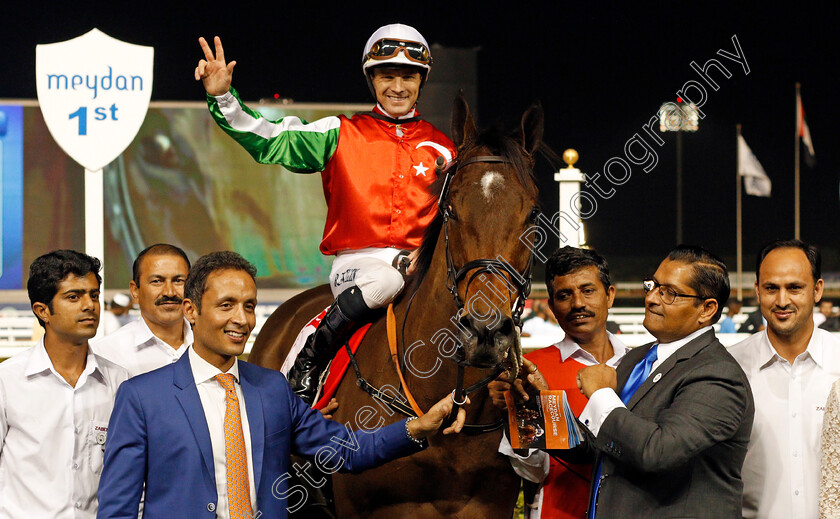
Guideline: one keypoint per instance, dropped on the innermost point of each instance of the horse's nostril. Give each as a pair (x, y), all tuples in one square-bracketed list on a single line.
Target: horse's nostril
[(506, 327)]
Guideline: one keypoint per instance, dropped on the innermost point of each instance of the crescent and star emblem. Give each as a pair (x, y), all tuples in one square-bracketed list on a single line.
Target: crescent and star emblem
[(421, 169)]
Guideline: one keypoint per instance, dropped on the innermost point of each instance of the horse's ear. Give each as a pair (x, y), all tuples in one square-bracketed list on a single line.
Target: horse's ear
[(463, 126), (532, 127)]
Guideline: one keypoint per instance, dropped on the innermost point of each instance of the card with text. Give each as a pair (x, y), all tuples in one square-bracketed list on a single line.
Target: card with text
[(544, 421)]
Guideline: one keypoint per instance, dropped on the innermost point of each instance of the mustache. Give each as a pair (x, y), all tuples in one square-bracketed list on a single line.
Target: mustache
[(162, 300), (788, 308), (584, 312)]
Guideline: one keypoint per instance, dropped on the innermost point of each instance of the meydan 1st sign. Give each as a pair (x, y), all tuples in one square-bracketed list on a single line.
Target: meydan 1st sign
[(94, 92)]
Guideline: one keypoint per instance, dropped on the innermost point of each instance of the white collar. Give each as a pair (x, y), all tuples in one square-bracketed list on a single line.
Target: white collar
[(569, 348), (767, 354), (146, 337), (40, 361), (665, 350), (675, 345), (411, 113), (204, 371)]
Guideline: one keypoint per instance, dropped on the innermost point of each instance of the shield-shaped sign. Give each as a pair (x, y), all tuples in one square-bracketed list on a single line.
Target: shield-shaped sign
[(94, 92)]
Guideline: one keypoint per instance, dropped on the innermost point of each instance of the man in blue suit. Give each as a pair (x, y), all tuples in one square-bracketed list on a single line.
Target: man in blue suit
[(211, 436)]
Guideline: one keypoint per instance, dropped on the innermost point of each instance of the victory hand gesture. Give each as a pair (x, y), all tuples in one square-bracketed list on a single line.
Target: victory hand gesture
[(213, 71)]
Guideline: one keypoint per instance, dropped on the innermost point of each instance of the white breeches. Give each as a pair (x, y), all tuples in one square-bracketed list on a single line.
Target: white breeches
[(369, 269)]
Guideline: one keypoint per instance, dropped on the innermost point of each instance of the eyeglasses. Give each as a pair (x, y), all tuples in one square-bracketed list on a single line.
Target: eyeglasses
[(668, 294), (386, 48)]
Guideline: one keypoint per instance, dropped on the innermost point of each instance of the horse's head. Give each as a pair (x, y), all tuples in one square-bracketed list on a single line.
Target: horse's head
[(488, 202)]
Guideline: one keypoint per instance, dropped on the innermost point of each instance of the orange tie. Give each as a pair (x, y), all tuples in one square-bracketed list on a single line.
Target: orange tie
[(239, 490)]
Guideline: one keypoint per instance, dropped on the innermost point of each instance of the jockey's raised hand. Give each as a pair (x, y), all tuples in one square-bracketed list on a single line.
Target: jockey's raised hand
[(212, 70)]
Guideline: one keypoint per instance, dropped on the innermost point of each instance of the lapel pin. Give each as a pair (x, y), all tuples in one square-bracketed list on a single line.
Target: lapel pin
[(657, 377)]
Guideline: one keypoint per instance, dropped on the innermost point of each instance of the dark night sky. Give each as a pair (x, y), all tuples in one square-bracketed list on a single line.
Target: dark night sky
[(600, 72)]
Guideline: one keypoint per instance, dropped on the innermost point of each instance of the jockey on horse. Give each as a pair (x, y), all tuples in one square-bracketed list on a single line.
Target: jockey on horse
[(375, 167)]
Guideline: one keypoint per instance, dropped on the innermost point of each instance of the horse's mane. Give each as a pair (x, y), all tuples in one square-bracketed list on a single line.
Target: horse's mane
[(498, 142)]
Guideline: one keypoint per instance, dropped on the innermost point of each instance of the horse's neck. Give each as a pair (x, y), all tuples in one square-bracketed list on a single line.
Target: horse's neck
[(432, 305)]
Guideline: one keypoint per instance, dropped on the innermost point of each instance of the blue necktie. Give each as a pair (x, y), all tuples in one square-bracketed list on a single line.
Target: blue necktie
[(640, 373), (637, 377)]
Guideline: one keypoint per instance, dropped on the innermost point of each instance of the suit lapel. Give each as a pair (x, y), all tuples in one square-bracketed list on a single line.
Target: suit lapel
[(256, 421), (191, 404), (685, 352)]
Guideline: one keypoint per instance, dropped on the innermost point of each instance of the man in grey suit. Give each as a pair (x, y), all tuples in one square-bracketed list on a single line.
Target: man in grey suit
[(670, 428)]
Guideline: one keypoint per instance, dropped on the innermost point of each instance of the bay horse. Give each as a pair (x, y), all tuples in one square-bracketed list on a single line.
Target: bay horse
[(472, 277)]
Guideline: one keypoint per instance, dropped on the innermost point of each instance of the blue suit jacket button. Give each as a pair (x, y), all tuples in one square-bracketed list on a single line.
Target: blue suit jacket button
[(211, 507)]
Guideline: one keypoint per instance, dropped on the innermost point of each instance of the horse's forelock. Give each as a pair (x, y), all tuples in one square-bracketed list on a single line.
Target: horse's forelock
[(499, 143)]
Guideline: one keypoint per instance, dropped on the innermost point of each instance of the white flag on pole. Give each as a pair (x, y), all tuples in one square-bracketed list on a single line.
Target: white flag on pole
[(756, 181)]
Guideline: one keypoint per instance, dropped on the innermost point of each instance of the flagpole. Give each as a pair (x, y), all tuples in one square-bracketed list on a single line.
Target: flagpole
[(738, 228), (796, 165)]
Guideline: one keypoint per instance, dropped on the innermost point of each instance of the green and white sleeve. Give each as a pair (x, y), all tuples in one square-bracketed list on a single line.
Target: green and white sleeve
[(299, 146)]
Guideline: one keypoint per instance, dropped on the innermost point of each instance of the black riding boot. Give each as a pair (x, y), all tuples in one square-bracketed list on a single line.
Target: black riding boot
[(343, 318)]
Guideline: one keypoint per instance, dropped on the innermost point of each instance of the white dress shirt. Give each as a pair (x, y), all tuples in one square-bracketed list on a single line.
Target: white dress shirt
[(605, 400), (137, 349), (212, 396), (535, 466), (539, 327), (52, 435), (782, 469)]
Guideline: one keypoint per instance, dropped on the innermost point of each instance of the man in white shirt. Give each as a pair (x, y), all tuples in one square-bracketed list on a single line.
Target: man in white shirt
[(580, 295), (56, 398), (791, 365), (670, 427), (161, 335), (210, 436)]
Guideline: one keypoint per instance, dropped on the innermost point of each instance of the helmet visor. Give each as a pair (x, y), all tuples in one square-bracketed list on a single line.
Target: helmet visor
[(388, 48)]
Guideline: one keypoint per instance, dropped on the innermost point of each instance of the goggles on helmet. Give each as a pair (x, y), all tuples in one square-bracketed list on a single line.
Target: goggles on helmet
[(387, 48)]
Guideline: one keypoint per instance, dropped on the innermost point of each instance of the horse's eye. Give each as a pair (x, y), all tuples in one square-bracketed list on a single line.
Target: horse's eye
[(451, 211), (532, 216)]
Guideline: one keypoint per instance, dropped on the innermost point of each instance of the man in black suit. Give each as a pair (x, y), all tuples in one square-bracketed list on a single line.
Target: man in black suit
[(670, 428)]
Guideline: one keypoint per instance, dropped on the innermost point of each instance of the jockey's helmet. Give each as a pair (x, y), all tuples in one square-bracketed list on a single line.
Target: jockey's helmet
[(396, 45)]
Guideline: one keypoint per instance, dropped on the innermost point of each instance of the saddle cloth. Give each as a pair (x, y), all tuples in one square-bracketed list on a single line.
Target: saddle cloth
[(337, 367)]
